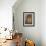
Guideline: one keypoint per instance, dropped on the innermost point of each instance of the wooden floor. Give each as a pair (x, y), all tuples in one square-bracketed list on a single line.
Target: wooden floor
[(9, 43)]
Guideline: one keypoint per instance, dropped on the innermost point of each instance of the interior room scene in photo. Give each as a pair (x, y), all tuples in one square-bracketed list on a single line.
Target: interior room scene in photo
[(22, 22)]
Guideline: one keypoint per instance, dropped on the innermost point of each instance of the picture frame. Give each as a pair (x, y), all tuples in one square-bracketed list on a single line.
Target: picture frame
[(28, 19)]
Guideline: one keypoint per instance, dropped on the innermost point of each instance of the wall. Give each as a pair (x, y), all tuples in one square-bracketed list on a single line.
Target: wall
[(43, 22), (33, 33), (6, 13)]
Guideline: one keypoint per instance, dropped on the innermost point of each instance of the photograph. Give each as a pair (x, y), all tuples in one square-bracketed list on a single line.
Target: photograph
[(22, 22), (28, 19)]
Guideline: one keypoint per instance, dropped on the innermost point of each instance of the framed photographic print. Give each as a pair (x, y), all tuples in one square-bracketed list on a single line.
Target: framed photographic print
[(28, 19)]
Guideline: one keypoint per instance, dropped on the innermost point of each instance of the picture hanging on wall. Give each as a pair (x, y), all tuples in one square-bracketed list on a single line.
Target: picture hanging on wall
[(28, 19)]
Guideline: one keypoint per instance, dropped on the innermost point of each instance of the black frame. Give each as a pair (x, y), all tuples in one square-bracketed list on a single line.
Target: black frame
[(33, 24)]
